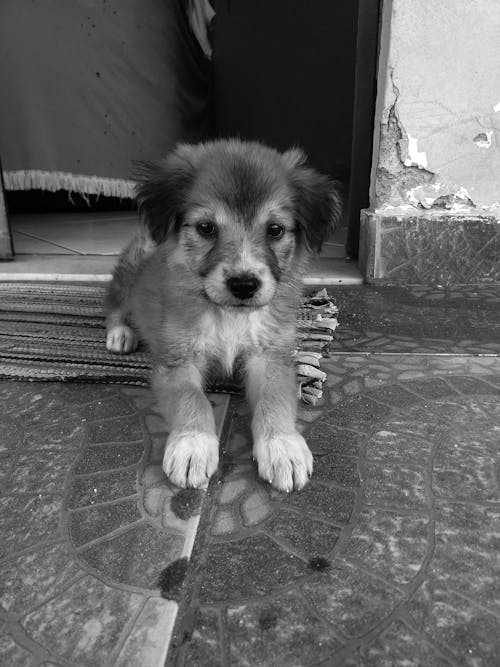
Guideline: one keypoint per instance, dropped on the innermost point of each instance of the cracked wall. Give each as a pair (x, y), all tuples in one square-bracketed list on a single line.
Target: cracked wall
[(437, 143)]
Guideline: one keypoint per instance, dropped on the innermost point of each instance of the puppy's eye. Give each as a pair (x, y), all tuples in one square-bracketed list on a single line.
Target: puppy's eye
[(275, 231), (206, 229)]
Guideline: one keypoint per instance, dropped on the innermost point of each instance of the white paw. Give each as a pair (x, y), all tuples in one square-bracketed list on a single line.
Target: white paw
[(121, 339), (284, 460), (191, 459)]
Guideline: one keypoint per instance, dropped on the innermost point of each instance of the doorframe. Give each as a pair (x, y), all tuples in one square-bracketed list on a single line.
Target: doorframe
[(365, 91), (6, 244)]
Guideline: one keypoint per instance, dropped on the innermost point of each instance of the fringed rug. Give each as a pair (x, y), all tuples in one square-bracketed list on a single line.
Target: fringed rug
[(53, 331)]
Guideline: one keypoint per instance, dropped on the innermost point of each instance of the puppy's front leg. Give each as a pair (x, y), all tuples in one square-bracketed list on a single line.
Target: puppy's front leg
[(120, 337), (282, 454), (192, 450)]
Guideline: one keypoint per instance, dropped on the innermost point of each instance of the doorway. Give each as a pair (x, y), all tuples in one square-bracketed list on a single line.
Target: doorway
[(285, 73), (291, 73)]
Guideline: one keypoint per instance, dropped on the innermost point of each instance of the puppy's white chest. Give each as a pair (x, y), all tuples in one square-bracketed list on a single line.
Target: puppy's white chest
[(224, 336)]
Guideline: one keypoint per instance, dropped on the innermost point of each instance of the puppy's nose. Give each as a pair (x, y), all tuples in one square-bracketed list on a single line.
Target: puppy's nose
[(244, 286)]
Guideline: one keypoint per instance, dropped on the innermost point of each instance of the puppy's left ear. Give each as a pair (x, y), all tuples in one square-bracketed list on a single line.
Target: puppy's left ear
[(317, 200)]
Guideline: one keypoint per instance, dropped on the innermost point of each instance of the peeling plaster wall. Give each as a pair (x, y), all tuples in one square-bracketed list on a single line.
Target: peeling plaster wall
[(437, 132)]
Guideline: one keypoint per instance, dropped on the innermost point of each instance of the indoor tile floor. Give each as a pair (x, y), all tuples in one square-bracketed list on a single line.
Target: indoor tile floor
[(388, 557), (72, 233), (84, 246), (95, 234)]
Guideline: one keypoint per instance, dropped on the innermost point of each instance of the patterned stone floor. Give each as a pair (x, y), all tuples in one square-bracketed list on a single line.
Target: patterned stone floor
[(388, 557), (92, 535)]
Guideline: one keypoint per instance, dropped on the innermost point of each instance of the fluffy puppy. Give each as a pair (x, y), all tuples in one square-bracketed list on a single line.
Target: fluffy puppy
[(212, 283)]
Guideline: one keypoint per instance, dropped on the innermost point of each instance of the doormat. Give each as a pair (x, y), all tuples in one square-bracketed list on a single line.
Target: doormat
[(56, 332)]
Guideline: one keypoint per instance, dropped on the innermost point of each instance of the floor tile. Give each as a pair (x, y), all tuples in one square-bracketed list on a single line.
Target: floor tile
[(335, 244), (278, 627), (83, 625), (33, 245), (72, 233), (145, 644), (387, 319)]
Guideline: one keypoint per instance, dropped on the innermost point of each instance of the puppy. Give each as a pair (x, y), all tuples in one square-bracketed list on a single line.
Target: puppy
[(212, 283)]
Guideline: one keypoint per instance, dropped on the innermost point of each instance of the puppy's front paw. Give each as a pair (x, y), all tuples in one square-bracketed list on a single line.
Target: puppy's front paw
[(191, 459), (284, 460), (121, 339)]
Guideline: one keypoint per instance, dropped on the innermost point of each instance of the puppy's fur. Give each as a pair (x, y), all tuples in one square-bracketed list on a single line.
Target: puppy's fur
[(212, 283)]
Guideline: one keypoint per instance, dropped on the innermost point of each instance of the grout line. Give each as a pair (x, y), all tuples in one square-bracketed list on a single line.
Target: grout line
[(110, 535), (119, 500)]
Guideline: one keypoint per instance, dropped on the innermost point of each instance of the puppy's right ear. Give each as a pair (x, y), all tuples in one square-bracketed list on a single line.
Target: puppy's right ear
[(162, 188), (318, 207)]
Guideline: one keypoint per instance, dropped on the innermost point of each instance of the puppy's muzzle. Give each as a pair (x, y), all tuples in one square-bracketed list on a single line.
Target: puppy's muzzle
[(243, 286)]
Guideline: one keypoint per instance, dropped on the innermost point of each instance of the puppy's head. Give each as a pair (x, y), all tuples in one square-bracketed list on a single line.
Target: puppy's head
[(242, 216)]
